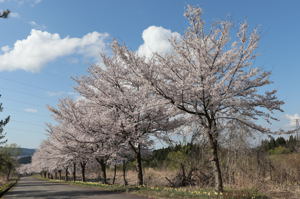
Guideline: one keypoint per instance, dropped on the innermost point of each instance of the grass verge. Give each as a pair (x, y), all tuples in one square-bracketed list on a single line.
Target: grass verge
[(168, 192), (5, 187)]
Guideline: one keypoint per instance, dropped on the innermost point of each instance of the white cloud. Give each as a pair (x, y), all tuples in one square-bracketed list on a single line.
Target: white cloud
[(21, 2), (37, 26), (30, 110), (59, 93), (292, 119), (156, 40), (5, 48), (36, 2), (14, 15), (73, 60), (42, 47)]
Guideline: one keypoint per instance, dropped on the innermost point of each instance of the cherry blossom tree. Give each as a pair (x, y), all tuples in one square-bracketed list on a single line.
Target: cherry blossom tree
[(64, 138), (135, 113), (92, 130), (211, 78), (48, 159)]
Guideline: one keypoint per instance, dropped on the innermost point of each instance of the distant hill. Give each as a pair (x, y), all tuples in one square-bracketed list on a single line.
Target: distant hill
[(25, 155), (25, 160), (26, 152)]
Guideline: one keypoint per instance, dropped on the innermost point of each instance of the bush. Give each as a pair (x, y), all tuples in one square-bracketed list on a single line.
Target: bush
[(279, 150)]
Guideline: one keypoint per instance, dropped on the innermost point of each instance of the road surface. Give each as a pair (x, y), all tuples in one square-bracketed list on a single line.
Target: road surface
[(29, 187)]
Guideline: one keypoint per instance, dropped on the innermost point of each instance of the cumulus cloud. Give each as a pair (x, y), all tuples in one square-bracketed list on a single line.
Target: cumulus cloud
[(292, 119), (5, 48), (42, 47), (156, 40), (30, 110)]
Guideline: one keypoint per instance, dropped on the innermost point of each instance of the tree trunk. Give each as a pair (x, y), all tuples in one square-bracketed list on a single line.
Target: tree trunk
[(8, 174), (115, 173), (103, 169), (212, 135), (55, 175), (139, 166), (102, 163), (74, 171), (83, 164), (67, 174), (124, 173), (59, 173)]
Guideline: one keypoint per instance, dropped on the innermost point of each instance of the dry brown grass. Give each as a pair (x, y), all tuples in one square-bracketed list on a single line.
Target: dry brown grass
[(280, 180), (152, 177), (276, 175)]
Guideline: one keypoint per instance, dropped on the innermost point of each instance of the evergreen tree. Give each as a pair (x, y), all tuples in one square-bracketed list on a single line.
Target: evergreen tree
[(280, 141), (272, 142), (2, 124), (4, 14)]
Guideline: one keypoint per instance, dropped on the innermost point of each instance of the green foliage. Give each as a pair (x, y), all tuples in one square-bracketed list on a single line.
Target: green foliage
[(279, 150), (2, 124), (8, 159), (25, 160), (171, 156), (6, 186), (11, 150), (280, 145), (175, 158), (4, 14)]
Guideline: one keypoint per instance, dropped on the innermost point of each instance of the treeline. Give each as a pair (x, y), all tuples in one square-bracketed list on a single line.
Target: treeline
[(167, 156), (281, 145), (274, 161)]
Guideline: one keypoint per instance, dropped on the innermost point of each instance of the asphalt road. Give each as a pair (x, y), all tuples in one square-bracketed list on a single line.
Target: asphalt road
[(29, 187)]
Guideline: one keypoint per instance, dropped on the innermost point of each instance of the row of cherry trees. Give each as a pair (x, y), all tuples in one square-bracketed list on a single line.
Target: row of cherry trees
[(208, 80)]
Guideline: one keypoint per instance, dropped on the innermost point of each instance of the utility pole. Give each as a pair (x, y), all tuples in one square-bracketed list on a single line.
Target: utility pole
[(297, 130)]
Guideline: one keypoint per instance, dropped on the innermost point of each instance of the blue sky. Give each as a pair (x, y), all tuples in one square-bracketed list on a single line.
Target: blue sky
[(45, 42)]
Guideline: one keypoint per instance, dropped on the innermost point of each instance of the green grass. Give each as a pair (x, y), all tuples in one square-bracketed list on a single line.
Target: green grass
[(5, 186), (168, 192)]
